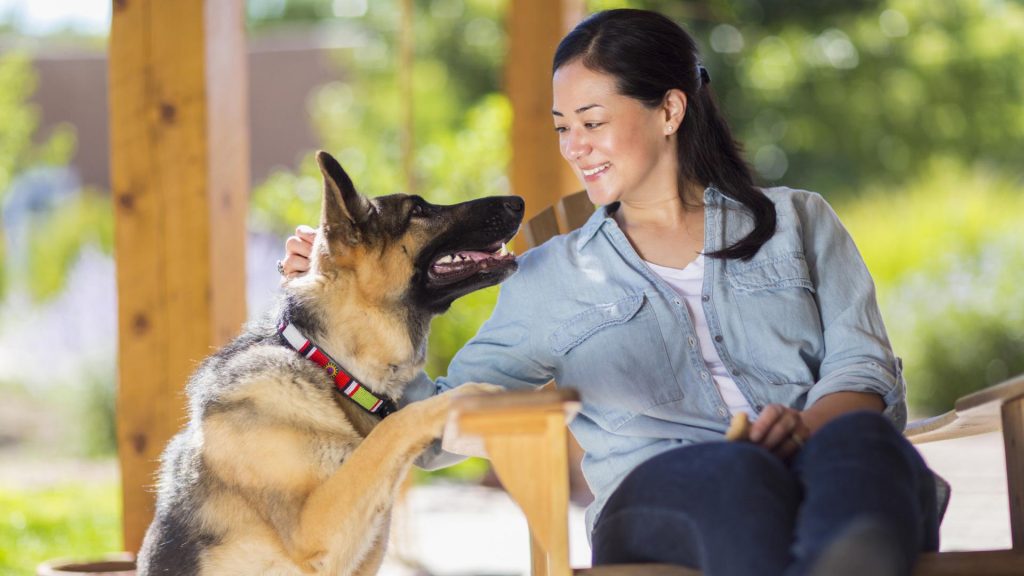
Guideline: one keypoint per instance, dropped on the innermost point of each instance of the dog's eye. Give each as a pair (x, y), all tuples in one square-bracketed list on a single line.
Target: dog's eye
[(417, 210)]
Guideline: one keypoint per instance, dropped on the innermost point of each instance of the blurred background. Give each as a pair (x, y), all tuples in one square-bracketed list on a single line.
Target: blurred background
[(907, 116)]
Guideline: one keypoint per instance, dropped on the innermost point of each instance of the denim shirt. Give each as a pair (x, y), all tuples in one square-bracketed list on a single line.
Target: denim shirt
[(796, 322)]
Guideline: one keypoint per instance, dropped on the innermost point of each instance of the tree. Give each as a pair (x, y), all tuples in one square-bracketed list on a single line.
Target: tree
[(835, 96)]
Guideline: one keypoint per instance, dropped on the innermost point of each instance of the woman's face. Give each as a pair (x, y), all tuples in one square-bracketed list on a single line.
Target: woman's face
[(620, 149)]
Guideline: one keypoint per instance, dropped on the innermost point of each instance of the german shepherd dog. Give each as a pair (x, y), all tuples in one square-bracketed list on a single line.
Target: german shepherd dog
[(279, 469)]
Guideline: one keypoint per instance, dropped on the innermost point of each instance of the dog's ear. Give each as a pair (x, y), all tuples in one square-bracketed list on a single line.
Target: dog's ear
[(344, 211)]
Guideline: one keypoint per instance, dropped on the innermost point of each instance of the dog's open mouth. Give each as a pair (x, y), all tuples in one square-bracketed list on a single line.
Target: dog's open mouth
[(462, 264)]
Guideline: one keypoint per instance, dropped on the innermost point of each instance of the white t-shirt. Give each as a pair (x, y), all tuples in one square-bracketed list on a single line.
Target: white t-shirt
[(688, 282)]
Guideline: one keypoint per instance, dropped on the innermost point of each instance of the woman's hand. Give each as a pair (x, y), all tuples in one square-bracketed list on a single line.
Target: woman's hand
[(780, 430), (297, 249)]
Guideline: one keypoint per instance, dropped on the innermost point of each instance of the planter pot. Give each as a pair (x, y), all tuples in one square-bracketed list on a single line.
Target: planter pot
[(110, 565)]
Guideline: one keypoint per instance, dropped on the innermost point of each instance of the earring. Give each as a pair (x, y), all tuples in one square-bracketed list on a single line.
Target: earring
[(669, 128)]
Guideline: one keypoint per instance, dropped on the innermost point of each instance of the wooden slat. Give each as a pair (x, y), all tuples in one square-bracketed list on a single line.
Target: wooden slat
[(540, 228), (973, 563), (976, 413), (575, 210), (993, 395), (179, 173), (1013, 444)]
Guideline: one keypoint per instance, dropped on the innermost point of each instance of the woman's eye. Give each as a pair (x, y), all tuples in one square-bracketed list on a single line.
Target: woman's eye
[(592, 125), (560, 129)]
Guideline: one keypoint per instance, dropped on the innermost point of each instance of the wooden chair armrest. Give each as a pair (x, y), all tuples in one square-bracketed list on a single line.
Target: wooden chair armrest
[(476, 417), (518, 401), (975, 413)]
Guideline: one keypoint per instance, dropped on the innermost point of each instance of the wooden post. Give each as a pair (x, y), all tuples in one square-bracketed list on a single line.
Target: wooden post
[(537, 173), (179, 173), (1013, 444)]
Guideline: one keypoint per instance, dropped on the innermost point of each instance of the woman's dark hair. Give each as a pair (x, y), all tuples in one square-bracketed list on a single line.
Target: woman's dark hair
[(648, 55)]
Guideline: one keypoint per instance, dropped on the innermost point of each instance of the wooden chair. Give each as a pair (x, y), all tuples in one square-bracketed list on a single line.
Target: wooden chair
[(524, 435)]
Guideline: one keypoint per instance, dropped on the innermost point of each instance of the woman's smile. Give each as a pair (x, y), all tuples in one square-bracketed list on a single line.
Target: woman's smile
[(591, 174)]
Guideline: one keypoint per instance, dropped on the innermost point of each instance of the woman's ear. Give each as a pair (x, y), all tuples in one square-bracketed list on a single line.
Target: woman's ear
[(674, 108)]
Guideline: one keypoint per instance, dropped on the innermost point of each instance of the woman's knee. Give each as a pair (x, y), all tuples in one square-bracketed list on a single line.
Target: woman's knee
[(857, 429), (864, 437)]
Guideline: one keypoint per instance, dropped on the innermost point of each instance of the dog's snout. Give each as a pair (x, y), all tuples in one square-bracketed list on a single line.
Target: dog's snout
[(515, 205)]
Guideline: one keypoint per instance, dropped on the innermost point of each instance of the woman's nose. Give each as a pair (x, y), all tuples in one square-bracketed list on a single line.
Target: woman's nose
[(575, 147)]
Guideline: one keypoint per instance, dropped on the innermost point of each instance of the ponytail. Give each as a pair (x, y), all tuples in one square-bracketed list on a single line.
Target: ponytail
[(710, 155)]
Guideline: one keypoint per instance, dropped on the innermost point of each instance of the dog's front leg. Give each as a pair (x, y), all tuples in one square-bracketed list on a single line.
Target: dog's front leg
[(364, 485)]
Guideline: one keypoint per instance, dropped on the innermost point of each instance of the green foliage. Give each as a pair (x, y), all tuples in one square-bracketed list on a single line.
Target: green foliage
[(950, 210), (56, 240), (96, 412), (21, 120), (451, 330), (470, 470), (962, 327), (948, 263), (833, 98), (18, 153), (57, 522)]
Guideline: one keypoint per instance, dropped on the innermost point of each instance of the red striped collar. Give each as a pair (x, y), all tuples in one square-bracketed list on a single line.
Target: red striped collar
[(343, 381)]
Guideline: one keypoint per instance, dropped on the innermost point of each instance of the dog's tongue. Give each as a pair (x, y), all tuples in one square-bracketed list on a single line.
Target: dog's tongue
[(477, 256)]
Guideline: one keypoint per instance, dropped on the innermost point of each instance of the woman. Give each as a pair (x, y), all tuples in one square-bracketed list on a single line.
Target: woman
[(690, 296)]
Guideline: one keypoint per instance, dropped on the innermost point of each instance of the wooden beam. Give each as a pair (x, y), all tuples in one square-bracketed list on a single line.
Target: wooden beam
[(537, 173), (179, 174)]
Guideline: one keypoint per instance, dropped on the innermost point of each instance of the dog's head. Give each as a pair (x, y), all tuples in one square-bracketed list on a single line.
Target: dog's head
[(403, 248)]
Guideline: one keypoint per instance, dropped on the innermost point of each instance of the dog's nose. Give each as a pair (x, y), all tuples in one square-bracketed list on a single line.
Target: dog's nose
[(515, 205)]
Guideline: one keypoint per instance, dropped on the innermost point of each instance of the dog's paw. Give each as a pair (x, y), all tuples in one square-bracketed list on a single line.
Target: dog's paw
[(476, 388)]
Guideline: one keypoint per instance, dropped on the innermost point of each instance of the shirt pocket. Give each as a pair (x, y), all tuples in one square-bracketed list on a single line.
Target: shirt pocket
[(777, 307), (587, 323), (789, 271), (615, 355)]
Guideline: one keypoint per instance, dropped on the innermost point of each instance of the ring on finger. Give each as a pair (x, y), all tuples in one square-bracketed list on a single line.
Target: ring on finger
[(280, 267), (797, 439)]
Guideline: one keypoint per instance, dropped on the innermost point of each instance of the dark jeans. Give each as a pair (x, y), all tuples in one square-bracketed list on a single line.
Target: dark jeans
[(734, 508)]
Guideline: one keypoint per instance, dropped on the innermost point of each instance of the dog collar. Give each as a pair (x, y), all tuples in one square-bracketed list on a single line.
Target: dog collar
[(343, 381)]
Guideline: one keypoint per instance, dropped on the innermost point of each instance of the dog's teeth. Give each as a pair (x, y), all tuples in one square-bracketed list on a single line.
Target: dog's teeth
[(503, 251), (446, 260)]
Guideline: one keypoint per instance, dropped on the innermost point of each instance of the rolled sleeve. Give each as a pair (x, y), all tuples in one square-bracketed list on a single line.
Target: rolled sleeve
[(858, 354)]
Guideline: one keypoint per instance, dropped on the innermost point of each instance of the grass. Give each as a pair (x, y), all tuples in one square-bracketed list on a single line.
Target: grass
[(70, 520)]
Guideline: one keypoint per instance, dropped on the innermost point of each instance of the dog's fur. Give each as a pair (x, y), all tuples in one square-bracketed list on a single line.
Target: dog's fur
[(276, 472)]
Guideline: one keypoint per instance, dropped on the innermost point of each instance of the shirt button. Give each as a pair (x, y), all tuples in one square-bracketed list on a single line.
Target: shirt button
[(677, 302), (722, 412), (718, 338), (705, 297), (735, 372), (704, 375)]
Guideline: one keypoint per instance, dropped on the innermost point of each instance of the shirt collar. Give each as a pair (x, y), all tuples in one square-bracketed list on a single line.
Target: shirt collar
[(712, 197)]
